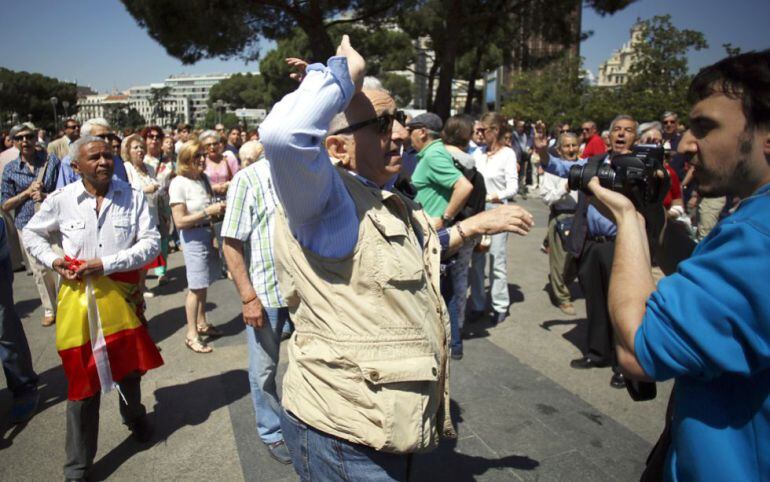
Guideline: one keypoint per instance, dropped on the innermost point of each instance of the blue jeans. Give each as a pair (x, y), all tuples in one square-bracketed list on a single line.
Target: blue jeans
[(14, 349), (319, 456), (264, 349)]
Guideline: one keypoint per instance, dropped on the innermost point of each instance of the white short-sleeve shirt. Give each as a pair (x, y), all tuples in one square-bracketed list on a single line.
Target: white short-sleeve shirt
[(191, 193)]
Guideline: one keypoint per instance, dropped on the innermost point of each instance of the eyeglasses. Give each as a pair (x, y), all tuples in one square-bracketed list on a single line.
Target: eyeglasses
[(154, 136), (72, 127), (668, 122), (24, 137), (209, 145), (586, 129), (384, 123), (480, 130)]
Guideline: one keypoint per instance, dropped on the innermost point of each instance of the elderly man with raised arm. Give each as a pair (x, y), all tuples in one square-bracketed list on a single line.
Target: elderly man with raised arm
[(366, 383)]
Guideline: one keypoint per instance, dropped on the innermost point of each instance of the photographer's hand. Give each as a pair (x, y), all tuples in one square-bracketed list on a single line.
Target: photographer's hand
[(610, 202)]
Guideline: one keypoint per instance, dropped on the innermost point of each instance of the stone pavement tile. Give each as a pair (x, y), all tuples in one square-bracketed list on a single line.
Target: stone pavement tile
[(570, 467), (468, 459), (540, 419)]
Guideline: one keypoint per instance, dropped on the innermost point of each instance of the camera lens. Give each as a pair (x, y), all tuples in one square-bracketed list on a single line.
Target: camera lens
[(574, 177)]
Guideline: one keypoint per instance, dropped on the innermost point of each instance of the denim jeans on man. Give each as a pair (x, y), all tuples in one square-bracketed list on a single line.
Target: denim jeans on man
[(319, 456), (264, 349), (14, 349)]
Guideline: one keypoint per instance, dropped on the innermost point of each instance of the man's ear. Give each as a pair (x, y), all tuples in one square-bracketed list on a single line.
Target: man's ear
[(337, 147), (74, 166)]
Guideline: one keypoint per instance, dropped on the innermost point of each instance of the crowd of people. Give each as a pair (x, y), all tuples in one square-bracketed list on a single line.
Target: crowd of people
[(370, 234)]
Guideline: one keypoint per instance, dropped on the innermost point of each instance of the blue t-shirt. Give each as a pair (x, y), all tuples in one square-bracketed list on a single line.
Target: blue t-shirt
[(708, 326)]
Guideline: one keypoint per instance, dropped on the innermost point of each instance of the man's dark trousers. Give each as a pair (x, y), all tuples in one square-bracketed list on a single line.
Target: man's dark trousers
[(83, 425), (594, 276)]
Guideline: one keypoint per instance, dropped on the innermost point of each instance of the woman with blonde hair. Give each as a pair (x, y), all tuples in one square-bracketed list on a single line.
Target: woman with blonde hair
[(498, 164), (141, 176), (193, 209)]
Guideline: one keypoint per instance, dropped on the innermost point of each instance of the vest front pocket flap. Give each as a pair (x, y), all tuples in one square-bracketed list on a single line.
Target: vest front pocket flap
[(413, 369), (389, 226)]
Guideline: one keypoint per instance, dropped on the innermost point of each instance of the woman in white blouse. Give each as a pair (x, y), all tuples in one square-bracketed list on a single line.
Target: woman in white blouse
[(193, 209), (497, 163), (141, 176)]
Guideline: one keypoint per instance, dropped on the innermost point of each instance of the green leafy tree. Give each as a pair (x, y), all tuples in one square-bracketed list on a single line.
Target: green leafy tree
[(29, 94), (233, 28), (552, 94), (241, 90), (228, 119), (659, 76), (127, 117), (158, 98), (385, 51), (399, 86), (464, 31)]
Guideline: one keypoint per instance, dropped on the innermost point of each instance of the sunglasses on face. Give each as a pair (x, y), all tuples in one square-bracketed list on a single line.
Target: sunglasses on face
[(154, 137), (72, 127), (384, 123), (24, 137), (668, 122)]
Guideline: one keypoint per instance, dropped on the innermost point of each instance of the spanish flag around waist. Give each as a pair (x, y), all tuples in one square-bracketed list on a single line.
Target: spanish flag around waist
[(99, 335)]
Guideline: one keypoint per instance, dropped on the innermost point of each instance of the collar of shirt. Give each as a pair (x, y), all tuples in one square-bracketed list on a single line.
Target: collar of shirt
[(433, 145)]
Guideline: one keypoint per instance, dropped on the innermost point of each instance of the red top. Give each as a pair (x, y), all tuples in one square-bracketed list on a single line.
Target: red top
[(594, 147), (675, 191)]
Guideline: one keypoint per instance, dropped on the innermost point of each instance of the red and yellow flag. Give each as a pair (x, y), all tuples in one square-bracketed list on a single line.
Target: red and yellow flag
[(129, 347)]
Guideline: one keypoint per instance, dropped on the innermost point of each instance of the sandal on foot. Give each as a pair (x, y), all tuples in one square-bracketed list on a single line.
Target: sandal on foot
[(210, 331), (197, 345)]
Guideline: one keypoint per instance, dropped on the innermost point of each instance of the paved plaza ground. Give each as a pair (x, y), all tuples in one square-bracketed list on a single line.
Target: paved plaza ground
[(522, 413)]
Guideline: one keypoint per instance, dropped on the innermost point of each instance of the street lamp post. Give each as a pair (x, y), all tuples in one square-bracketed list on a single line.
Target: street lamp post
[(54, 101), (66, 105)]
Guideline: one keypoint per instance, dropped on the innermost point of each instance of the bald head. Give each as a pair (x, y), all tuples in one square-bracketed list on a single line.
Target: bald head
[(364, 105)]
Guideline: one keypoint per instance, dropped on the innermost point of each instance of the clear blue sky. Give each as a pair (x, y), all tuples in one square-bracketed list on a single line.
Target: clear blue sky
[(97, 43)]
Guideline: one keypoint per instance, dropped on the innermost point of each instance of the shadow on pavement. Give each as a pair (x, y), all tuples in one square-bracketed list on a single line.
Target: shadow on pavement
[(446, 463), (577, 335), (515, 294), (25, 307), (52, 387), (177, 407)]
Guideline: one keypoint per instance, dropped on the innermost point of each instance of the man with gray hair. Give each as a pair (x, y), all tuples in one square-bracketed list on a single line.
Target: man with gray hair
[(592, 243), (107, 238), (96, 127), (442, 190)]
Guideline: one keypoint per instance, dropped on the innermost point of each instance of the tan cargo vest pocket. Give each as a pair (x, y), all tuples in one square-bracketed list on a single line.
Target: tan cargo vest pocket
[(401, 389), (395, 272)]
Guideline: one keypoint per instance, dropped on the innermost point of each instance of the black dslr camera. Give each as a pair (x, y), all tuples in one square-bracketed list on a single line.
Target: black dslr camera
[(633, 175)]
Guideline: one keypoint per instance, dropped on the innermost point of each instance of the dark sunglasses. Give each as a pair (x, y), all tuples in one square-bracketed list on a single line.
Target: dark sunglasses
[(72, 126), (24, 137), (667, 122), (384, 123), (154, 136)]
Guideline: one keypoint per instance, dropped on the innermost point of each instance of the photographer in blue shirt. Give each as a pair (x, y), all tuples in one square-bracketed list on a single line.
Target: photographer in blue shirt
[(708, 324)]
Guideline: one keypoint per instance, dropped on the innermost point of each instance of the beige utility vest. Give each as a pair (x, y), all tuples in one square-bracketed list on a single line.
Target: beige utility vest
[(368, 361)]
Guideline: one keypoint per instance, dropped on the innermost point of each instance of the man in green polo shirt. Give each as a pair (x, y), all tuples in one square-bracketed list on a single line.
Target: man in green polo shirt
[(441, 188), (443, 191)]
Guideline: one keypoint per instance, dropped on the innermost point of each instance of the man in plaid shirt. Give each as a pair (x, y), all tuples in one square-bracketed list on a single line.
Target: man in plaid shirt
[(248, 227)]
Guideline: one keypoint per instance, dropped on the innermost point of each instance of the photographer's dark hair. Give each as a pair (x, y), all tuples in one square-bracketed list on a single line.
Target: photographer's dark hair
[(745, 77), (458, 131)]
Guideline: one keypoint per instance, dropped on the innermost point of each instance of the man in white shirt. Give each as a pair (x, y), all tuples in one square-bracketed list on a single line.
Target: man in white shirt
[(107, 237)]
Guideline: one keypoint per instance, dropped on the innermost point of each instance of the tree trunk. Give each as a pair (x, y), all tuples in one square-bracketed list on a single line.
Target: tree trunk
[(313, 25), (443, 104)]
